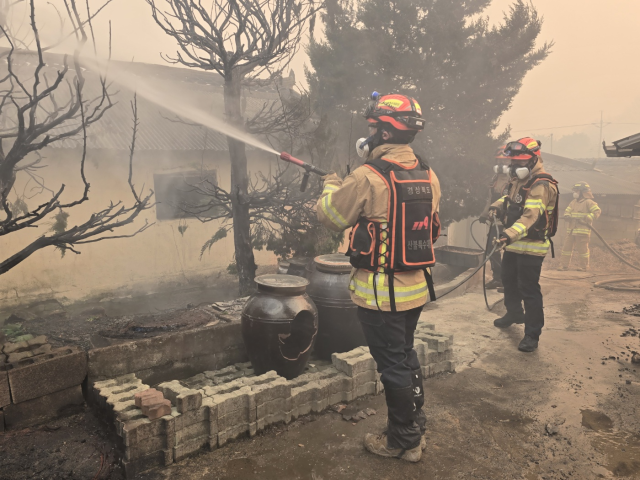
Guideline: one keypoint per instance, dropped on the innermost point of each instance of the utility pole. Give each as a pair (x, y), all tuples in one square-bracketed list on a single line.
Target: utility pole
[(601, 125), (600, 141), (551, 144)]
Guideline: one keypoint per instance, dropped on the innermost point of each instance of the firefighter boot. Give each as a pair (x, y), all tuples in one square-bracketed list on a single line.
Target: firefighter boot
[(508, 319), (402, 439), (528, 344), (490, 285), (418, 400)]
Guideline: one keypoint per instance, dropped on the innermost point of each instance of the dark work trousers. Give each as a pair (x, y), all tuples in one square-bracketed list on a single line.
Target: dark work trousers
[(521, 281), (496, 258), (390, 339)]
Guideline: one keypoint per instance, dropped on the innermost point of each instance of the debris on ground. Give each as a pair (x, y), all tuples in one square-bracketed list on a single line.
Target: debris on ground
[(551, 429), (370, 411), (355, 418), (338, 408), (635, 311), (635, 358)]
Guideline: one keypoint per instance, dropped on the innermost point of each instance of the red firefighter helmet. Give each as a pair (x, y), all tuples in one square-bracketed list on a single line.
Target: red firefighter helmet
[(524, 149), (402, 112)]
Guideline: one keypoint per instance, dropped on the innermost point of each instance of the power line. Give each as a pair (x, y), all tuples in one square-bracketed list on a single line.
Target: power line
[(569, 126)]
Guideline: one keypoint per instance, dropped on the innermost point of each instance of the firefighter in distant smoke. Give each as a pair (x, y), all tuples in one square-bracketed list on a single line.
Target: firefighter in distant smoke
[(392, 204), (496, 189), (579, 215), (529, 214)]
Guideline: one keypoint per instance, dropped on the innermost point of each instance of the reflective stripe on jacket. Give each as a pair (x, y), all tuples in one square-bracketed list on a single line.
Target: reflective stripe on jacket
[(542, 197), (364, 193), (579, 211)]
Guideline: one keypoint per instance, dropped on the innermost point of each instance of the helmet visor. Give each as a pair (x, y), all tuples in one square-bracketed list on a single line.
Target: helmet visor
[(515, 149)]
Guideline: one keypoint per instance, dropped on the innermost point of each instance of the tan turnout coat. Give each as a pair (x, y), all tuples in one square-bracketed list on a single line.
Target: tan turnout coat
[(364, 194)]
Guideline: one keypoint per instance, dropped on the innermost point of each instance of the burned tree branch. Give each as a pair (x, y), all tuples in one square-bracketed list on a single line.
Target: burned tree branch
[(41, 112)]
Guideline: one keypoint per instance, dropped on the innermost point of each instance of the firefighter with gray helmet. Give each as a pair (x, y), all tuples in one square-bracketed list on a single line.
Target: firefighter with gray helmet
[(529, 212), (392, 204), (579, 215)]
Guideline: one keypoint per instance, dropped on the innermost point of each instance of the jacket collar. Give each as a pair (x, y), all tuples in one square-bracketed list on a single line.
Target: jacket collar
[(400, 153)]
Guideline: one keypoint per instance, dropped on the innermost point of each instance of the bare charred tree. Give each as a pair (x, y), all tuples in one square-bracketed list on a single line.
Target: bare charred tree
[(283, 218), (240, 40), (40, 106)]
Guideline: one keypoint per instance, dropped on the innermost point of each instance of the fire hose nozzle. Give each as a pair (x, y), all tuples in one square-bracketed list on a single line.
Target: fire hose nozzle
[(296, 161)]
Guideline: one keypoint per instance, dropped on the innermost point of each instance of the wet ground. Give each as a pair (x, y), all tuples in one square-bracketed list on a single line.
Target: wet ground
[(569, 410)]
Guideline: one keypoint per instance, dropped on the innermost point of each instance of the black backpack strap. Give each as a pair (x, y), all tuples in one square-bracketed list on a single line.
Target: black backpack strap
[(381, 165), (422, 162), (432, 291), (392, 294)]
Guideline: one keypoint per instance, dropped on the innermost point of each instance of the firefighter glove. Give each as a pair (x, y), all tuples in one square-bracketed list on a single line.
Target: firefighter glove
[(504, 238)]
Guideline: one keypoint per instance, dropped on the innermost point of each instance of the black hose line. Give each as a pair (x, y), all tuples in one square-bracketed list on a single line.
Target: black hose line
[(619, 257), (487, 257)]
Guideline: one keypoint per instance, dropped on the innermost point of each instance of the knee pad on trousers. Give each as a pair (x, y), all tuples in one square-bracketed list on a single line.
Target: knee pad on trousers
[(402, 429), (418, 388)]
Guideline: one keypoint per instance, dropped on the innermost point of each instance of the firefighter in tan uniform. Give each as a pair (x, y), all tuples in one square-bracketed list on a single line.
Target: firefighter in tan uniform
[(529, 213), (392, 202), (581, 212)]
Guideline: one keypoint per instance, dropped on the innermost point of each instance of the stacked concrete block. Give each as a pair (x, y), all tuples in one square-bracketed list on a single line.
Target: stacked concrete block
[(360, 366), (235, 412), (38, 381), (434, 350), (215, 407), (195, 419), (116, 399), (271, 396), (219, 377), (147, 443)]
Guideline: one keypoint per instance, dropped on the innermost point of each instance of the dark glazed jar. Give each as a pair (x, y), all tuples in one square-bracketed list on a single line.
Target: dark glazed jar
[(279, 325), (299, 266), (338, 326)]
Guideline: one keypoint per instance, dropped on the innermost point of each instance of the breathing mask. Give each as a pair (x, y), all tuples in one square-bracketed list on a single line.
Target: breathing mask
[(522, 171), (501, 169), (576, 195), (362, 147), (366, 145)]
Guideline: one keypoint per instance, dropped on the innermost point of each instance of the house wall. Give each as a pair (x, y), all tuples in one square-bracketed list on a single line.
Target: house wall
[(158, 257)]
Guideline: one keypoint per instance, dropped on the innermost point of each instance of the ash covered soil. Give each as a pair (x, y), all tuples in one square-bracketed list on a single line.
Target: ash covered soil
[(100, 322), (569, 410)]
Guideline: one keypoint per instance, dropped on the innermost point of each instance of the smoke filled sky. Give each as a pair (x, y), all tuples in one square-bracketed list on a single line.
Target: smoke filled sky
[(591, 68)]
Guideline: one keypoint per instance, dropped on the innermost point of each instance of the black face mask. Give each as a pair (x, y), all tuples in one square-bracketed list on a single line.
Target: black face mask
[(373, 141)]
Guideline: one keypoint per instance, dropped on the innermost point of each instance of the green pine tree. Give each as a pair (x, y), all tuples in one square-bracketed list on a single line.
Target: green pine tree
[(463, 71)]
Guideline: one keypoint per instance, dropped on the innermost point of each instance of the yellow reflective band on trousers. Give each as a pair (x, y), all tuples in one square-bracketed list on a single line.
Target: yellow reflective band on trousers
[(580, 231), (531, 247), (332, 214), (365, 290)]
